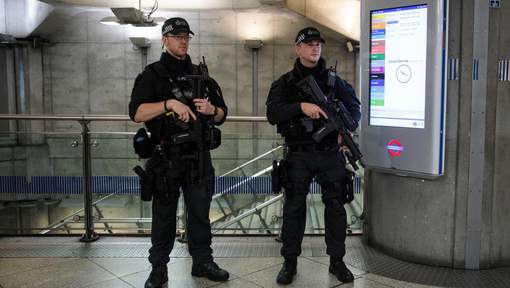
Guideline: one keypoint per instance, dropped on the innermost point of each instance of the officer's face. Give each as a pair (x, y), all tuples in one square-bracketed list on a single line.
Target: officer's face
[(177, 45), (309, 53)]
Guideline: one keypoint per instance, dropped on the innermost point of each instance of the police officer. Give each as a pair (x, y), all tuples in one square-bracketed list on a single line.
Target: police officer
[(160, 89), (306, 158)]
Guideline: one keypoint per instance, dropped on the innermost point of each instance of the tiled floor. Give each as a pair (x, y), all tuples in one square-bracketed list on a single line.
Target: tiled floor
[(119, 268), (132, 272)]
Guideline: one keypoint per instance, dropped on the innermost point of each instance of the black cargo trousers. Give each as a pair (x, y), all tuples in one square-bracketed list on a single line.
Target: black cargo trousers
[(197, 198), (329, 167)]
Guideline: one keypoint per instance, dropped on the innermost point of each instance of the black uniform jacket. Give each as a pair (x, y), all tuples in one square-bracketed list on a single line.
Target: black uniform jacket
[(156, 84), (283, 103)]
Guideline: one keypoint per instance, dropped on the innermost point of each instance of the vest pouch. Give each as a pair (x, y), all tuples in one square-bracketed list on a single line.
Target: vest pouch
[(214, 138), (142, 144), (289, 129), (308, 125)]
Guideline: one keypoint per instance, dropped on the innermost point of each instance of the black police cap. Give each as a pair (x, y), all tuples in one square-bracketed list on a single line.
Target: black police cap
[(308, 34), (175, 26)]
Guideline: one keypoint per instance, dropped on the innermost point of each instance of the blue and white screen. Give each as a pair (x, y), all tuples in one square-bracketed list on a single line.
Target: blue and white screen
[(398, 56)]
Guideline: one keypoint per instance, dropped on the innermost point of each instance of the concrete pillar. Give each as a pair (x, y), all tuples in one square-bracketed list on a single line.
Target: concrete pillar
[(461, 219), (36, 95), (496, 247)]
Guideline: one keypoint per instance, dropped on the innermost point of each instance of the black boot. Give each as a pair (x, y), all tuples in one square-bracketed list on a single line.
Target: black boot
[(286, 274), (158, 278), (338, 268), (209, 270)]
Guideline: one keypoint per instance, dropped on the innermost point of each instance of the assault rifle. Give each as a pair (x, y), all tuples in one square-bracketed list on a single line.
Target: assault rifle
[(202, 131), (339, 119)]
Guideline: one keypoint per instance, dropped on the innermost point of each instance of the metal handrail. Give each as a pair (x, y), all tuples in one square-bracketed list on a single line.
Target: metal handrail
[(84, 121), (248, 213), (65, 117), (62, 221), (251, 161), (261, 172), (77, 117)]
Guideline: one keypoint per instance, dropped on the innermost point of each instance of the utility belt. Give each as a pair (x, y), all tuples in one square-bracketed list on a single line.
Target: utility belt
[(311, 147), (279, 173), (184, 151), (297, 128), (211, 138), (144, 147), (164, 170), (175, 152)]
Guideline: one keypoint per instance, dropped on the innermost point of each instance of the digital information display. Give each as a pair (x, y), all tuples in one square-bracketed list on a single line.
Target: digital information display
[(403, 52), (398, 62)]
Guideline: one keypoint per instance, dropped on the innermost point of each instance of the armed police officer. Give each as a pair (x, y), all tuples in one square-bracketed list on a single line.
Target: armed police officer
[(163, 98), (297, 120)]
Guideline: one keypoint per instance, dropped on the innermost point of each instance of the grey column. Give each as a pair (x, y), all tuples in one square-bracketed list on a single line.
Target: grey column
[(477, 144)]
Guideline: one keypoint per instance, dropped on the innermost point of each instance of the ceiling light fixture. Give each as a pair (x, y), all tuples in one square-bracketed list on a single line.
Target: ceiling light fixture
[(133, 16)]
